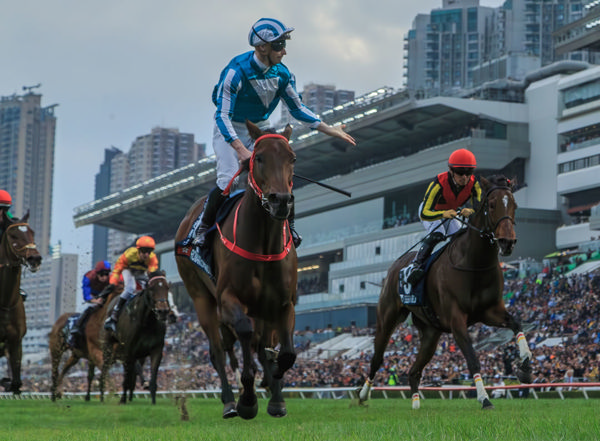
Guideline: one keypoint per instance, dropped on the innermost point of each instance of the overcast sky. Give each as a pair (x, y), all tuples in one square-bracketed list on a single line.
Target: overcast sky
[(118, 68)]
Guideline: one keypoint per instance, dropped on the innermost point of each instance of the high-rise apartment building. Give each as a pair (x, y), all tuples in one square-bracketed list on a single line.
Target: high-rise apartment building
[(150, 155), (27, 132), (463, 44), (101, 189)]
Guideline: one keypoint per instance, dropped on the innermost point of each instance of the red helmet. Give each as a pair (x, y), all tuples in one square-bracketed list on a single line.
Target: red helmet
[(145, 242), (462, 158), (5, 199)]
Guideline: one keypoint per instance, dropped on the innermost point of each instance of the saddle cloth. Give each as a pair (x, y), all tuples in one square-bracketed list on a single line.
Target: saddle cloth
[(415, 295), (203, 257)]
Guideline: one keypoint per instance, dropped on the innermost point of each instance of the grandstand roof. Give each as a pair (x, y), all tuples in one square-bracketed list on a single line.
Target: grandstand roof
[(392, 127)]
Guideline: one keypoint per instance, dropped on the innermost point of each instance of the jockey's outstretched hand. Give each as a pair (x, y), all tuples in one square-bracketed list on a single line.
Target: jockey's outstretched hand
[(466, 212), (449, 214), (336, 131)]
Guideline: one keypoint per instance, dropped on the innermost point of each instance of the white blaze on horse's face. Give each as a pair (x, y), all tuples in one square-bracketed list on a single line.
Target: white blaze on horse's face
[(23, 229), (505, 200)]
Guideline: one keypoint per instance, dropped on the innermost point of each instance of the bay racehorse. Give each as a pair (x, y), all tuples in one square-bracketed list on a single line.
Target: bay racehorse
[(90, 349), (17, 249), (255, 268), (463, 287), (140, 333)]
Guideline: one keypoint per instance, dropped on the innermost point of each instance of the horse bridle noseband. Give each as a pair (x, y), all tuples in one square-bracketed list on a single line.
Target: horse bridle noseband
[(251, 181), (155, 301), (487, 232)]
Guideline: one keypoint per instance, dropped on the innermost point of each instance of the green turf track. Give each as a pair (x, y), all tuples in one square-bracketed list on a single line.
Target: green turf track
[(544, 420)]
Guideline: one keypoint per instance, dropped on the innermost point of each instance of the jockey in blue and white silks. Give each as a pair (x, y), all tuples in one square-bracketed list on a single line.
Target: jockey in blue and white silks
[(250, 88)]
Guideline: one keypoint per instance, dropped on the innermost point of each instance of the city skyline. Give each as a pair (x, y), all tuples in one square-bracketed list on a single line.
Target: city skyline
[(117, 70)]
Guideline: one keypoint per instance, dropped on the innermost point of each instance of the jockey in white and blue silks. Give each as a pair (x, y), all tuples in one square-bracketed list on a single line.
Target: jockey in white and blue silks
[(250, 88)]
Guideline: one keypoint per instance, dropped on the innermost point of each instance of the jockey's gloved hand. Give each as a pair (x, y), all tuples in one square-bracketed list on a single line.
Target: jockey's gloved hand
[(449, 214), (466, 212)]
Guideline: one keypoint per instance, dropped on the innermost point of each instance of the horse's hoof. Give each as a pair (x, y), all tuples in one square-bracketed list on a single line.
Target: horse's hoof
[(277, 410), (487, 405), (524, 374), (230, 411), (247, 412)]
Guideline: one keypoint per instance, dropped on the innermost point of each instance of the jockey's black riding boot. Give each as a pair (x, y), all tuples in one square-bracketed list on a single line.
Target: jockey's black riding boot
[(429, 244), (209, 215), (296, 238), (111, 322)]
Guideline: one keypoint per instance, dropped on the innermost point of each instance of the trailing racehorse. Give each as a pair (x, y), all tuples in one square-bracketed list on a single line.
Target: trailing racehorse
[(464, 286), (140, 333), (91, 347), (255, 268), (17, 248)]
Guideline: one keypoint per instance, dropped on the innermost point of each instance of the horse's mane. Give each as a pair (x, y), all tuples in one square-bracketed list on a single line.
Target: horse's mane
[(500, 181)]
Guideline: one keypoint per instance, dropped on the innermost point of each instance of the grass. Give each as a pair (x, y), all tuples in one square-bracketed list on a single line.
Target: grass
[(543, 420)]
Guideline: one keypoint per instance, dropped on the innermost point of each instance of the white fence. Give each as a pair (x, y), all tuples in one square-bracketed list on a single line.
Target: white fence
[(541, 390)]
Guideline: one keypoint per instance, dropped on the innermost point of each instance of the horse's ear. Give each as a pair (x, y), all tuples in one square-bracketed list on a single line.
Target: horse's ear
[(253, 130), (24, 219), (287, 132)]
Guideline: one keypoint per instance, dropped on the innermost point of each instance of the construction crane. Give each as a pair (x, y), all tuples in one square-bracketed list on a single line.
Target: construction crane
[(30, 88)]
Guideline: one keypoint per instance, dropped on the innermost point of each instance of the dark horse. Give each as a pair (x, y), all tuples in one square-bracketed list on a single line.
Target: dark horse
[(463, 287), (140, 333), (256, 273), (17, 248), (91, 349)]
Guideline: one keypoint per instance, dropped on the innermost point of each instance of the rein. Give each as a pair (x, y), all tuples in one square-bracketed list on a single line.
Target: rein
[(487, 232), (287, 235)]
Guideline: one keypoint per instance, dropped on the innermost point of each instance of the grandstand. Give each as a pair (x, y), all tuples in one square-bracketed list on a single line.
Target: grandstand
[(403, 141)]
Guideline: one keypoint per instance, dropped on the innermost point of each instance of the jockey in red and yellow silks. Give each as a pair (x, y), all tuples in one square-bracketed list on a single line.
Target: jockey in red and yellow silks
[(441, 205)]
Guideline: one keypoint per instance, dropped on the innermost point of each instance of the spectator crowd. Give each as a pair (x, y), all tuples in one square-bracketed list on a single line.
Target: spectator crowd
[(559, 307)]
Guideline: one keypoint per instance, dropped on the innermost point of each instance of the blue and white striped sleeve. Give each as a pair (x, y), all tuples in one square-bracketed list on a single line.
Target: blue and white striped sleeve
[(226, 96), (296, 106)]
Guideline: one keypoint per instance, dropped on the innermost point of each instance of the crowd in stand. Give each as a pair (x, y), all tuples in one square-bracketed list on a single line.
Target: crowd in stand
[(557, 305)]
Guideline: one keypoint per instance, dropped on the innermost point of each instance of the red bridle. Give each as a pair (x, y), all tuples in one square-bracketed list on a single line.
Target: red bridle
[(232, 246)]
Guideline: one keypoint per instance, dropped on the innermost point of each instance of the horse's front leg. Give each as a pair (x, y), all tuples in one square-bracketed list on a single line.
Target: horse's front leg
[(429, 338), (247, 403), (501, 318), (155, 359), (461, 335), (128, 380), (15, 353)]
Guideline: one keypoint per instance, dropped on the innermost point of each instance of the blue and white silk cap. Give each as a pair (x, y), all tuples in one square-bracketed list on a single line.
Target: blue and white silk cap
[(267, 30)]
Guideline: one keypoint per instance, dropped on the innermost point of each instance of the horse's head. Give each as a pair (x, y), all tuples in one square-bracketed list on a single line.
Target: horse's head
[(157, 292), (19, 245), (499, 206), (271, 169)]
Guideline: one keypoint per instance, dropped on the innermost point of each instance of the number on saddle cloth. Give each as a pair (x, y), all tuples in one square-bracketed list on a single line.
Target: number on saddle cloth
[(71, 320), (414, 295), (409, 294)]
